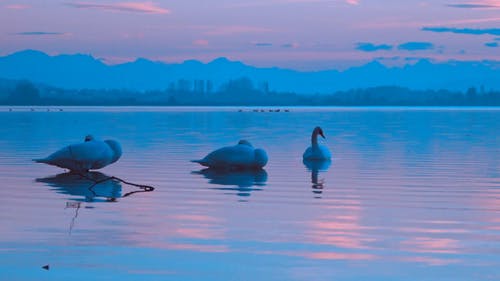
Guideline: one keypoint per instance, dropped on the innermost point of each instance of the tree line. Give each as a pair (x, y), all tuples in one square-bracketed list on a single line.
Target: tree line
[(241, 92)]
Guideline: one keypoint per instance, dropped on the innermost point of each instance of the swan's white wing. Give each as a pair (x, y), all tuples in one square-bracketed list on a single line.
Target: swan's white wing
[(61, 158), (92, 154), (238, 155), (317, 153), (325, 152), (308, 153), (80, 157)]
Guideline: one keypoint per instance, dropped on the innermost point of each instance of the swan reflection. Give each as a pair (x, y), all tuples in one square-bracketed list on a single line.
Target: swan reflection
[(316, 166), (244, 181), (91, 186)]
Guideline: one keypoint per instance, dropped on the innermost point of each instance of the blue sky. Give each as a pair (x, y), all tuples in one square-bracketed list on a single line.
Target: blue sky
[(299, 34)]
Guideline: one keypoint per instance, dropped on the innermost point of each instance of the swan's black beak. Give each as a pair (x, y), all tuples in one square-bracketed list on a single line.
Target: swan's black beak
[(321, 134)]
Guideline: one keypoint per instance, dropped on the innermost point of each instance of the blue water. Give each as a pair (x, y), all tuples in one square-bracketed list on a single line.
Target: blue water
[(411, 194)]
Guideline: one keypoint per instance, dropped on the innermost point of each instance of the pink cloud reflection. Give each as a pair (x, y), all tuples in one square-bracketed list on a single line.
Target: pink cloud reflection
[(341, 229), (338, 256), (432, 245), (432, 260)]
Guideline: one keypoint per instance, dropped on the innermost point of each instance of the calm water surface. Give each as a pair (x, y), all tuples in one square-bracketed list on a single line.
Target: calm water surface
[(411, 194)]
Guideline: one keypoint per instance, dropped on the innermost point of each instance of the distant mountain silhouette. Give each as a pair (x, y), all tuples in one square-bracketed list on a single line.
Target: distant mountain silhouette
[(86, 72)]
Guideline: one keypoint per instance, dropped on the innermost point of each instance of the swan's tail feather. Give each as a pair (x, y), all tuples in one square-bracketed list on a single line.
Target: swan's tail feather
[(200, 161), (41, 160)]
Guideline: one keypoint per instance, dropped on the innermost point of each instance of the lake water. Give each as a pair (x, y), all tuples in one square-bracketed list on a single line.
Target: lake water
[(411, 194)]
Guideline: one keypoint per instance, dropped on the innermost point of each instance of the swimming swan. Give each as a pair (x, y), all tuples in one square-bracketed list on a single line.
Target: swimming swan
[(90, 155), (240, 156), (316, 151)]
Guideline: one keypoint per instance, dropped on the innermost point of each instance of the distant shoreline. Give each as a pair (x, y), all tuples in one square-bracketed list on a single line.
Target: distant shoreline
[(241, 92), (247, 109)]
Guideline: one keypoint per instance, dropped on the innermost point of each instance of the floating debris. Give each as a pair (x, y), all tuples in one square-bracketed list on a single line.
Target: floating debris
[(46, 267)]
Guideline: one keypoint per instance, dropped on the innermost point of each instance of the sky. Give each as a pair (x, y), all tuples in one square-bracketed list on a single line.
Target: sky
[(297, 34)]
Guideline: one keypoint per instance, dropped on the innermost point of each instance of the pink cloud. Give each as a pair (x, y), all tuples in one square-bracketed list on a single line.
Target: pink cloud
[(484, 4), (18, 7), (200, 42), (236, 29), (136, 7)]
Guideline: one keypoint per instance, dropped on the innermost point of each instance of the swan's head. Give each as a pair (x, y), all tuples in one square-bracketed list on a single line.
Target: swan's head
[(89, 138), (117, 149), (260, 158), (318, 131), (245, 142)]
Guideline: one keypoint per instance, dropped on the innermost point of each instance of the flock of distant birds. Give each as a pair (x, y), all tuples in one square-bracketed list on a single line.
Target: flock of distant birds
[(94, 154)]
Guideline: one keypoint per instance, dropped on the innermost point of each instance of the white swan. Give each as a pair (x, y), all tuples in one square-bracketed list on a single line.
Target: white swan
[(240, 156), (90, 155), (316, 151)]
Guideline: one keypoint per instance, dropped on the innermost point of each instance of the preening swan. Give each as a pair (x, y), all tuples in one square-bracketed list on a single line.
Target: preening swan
[(90, 155), (317, 151), (240, 156)]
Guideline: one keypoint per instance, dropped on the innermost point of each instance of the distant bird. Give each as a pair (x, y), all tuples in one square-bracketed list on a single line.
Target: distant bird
[(316, 151), (90, 155), (240, 156)]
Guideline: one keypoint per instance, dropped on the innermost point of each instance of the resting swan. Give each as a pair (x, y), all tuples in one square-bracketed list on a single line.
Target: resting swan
[(240, 156), (90, 155), (316, 151)]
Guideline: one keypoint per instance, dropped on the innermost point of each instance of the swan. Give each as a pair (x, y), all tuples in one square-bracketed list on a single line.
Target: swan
[(316, 151), (240, 156), (92, 154)]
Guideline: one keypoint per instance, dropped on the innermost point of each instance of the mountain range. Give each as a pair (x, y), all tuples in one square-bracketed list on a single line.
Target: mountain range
[(86, 72)]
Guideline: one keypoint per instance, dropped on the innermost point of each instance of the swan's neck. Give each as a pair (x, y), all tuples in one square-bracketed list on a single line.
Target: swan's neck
[(314, 139)]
